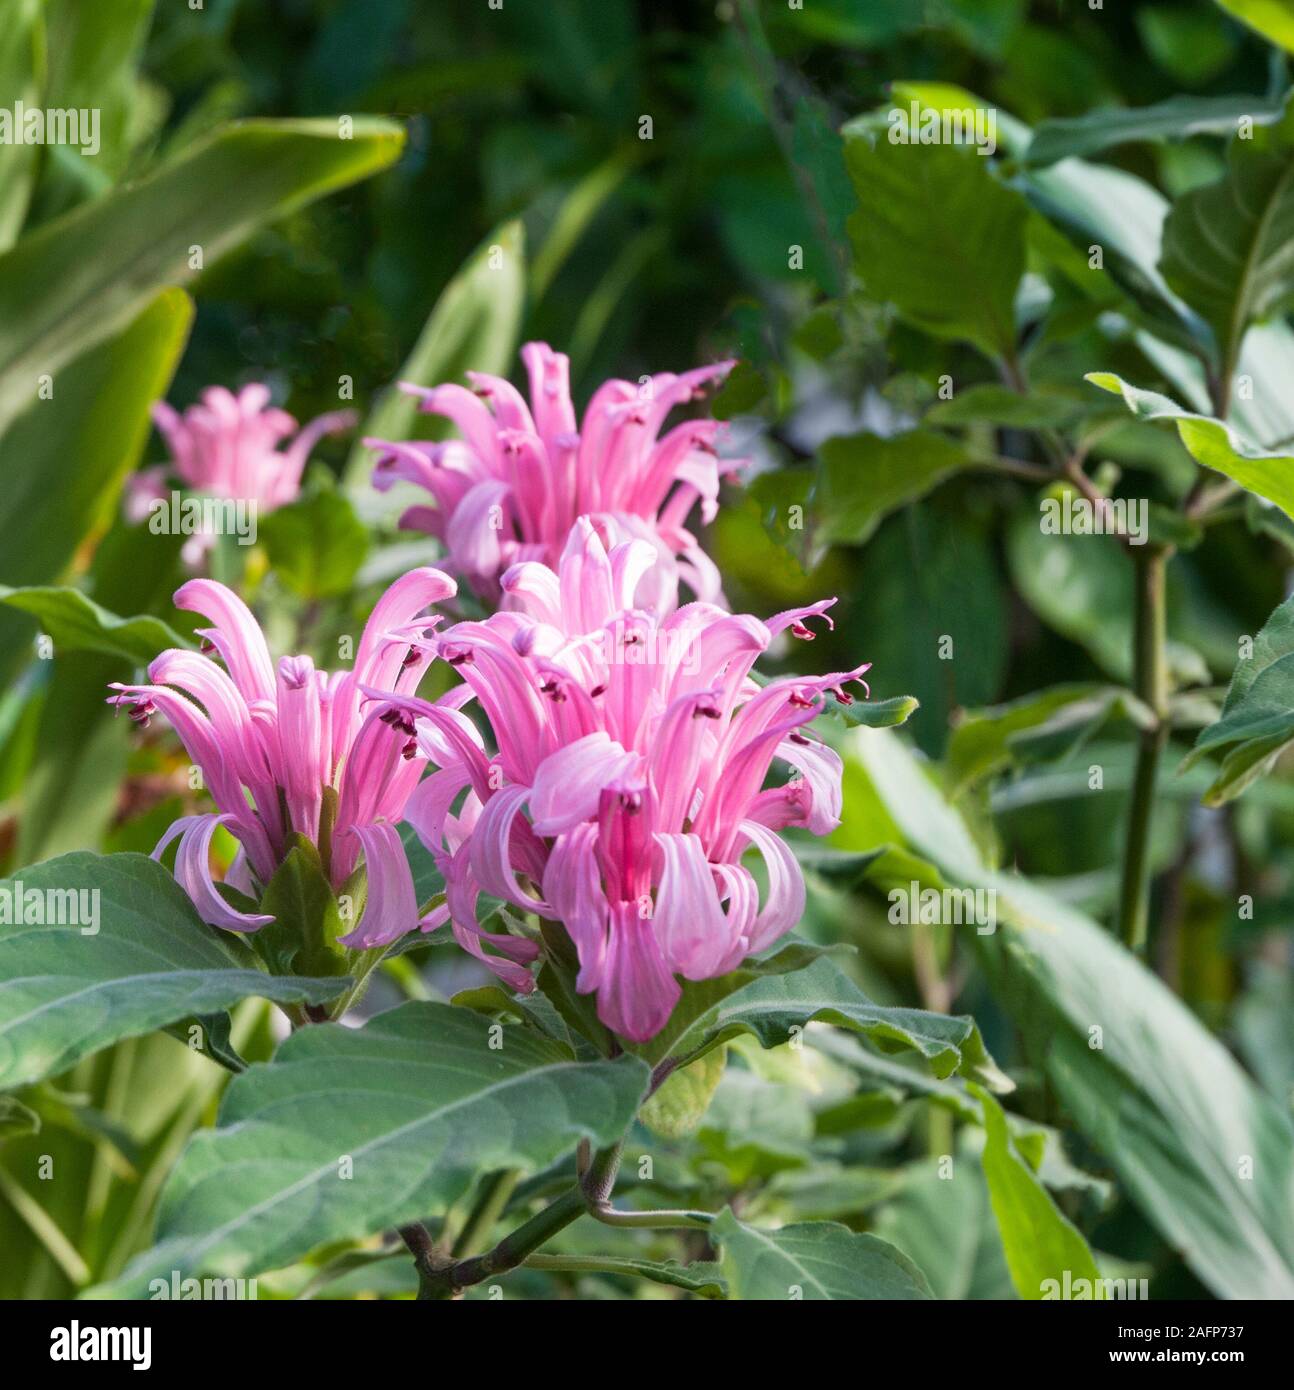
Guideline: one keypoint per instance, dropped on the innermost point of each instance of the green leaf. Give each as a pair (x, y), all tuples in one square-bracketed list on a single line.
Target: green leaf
[(64, 460), (317, 544), (473, 326), (1226, 247), (307, 921), (864, 477), (813, 1260), (1257, 720), (1048, 724), (775, 999), (56, 302), (1212, 442), (1041, 1245), (680, 1104), (350, 1131), (1178, 118), (1082, 587), (1273, 19), (939, 237), (1200, 1150), (133, 958), (94, 53), (878, 714), (76, 623)]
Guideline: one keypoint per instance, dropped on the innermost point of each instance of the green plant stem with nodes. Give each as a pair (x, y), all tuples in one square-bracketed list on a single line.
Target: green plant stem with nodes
[(1150, 682), (441, 1276)]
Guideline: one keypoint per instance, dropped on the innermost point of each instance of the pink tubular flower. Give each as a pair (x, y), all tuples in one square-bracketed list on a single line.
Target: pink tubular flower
[(629, 780), (227, 446), (270, 742), (512, 487)]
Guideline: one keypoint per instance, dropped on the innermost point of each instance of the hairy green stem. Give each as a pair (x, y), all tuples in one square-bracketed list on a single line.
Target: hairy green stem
[(1150, 681)]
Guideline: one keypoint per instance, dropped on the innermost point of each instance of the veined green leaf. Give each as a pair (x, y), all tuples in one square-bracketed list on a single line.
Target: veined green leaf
[(775, 999), (1257, 720), (130, 955), (1228, 245), (939, 237), (350, 1131), (814, 1260), (864, 477)]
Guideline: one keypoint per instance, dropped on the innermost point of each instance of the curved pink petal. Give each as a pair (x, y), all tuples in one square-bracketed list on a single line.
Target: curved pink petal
[(637, 993), (193, 873), (390, 905), (569, 783), (691, 930)]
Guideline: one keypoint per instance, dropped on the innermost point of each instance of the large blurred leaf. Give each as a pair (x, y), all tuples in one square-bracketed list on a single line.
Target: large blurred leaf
[(66, 991), (1257, 720), (64, 459), (1174, 119), (350, 1131), (864, 477), (93, 53), (814, 1260), (946, 1225), (57, 301), (1273, 19), (1212, 442), (1207, 1157), (1229, 246), (1047, 724), (1082, 586), (473, 326), (939, 237), (1041, 1245), (22, 71)]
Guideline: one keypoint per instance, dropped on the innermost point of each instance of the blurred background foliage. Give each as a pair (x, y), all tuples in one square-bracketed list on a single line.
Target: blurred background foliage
[(524, 126)]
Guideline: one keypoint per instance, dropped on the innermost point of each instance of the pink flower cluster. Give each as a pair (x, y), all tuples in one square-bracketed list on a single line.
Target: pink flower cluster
[(632, 756), (629, 766), (273, 743), (512, 486)]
